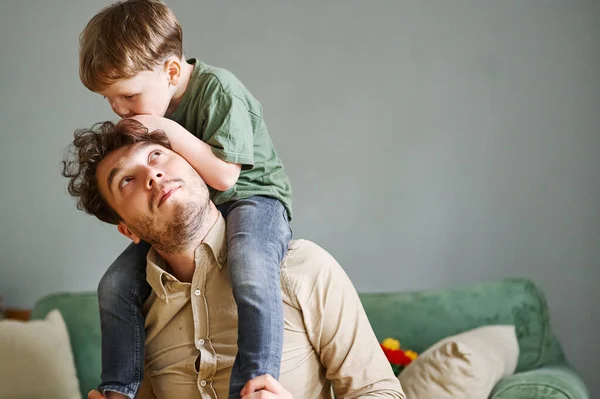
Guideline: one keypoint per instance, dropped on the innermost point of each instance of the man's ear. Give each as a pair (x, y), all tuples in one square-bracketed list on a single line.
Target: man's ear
[(123, 229), (173, 69)]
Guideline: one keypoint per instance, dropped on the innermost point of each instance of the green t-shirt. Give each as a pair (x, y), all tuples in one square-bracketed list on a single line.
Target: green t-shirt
[(218, 109)]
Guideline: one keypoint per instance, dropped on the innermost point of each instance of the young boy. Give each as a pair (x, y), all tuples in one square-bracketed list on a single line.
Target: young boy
[(131, 53)]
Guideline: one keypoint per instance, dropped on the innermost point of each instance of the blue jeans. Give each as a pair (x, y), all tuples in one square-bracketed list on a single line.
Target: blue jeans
[(258, 234)]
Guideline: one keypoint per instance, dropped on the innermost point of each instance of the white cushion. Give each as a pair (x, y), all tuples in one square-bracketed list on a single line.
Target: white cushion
[(36, 360), (465, 366)]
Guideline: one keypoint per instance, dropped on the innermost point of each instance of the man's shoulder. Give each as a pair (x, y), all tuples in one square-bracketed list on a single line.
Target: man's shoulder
[(306, 266), (306, 251)]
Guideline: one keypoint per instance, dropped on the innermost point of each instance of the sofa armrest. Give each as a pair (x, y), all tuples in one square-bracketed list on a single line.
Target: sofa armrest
[(556, 382)]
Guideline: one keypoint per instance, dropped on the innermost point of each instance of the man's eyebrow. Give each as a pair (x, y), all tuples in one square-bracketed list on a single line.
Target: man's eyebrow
[(117, 169), (113, 172)]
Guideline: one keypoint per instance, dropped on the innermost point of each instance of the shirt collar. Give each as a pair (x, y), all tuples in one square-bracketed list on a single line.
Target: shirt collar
[(216, 240), (158, 271)]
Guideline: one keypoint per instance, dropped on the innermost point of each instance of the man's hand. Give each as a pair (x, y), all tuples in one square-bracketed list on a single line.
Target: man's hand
[(263, 387)]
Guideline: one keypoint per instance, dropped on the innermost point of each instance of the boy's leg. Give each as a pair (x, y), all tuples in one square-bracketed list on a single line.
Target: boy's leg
[(121, 292), (258, 234)]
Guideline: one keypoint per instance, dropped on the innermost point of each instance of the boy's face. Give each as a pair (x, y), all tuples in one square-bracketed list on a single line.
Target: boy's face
[(148, 92)]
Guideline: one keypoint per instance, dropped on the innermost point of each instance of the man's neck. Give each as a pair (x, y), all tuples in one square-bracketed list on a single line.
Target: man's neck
[(183, 263)]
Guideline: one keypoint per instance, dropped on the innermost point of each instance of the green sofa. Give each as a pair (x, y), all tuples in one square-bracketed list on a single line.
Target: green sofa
[(417, 319)]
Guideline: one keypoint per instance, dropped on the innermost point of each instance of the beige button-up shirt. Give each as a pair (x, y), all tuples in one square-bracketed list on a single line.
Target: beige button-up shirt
[(191, 329)]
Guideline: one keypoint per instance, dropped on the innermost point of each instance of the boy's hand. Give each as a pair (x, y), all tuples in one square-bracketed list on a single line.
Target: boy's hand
[(176, 134), (95, 395), (152, 122), (265, 387), (218, 174)]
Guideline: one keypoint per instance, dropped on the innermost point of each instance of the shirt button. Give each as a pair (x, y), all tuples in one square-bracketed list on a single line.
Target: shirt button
[(203, 383), (200, 342), (197, 292)]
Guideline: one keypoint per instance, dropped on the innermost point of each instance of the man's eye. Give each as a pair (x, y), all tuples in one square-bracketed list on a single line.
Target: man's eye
[(154, 155), (129, 97), (125, 181)]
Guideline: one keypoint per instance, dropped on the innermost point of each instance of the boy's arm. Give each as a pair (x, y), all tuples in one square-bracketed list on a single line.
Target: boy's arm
[(217, 173)]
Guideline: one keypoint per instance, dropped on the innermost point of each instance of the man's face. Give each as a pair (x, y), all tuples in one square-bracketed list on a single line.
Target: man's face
[(147, 93), (159, 196)]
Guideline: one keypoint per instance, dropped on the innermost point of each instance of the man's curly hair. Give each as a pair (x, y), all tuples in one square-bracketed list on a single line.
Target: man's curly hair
[(88, 148)]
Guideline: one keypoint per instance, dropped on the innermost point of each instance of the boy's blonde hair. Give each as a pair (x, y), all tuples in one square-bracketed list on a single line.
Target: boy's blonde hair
[(126, 38)]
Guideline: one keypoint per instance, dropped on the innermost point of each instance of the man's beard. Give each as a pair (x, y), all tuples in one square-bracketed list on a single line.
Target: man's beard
[(185, 226)]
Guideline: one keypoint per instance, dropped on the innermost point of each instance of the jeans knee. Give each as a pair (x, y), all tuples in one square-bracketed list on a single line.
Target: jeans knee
[(247, 288), (256, 292), (112, 289), (105, 290)]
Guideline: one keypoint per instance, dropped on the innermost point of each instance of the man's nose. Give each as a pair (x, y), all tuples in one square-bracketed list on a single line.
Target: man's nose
[(154, 177)]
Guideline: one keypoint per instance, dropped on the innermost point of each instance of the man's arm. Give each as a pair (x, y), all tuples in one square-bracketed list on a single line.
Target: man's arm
[(217, 173), (339, 330)]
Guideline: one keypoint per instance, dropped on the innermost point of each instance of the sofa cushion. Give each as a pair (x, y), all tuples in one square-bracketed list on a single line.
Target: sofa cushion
[(80, 312), (466, 366), (419, 319), (36, 360)]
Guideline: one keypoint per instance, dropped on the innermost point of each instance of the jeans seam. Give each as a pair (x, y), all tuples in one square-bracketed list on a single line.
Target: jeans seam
[(138, 373), (276, 360)]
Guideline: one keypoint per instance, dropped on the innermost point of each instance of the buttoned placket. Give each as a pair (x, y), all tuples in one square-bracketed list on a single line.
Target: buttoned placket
[(208, 360)]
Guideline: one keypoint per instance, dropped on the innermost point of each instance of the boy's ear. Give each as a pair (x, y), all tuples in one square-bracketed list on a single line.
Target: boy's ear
[(173, 69), (123, 229)]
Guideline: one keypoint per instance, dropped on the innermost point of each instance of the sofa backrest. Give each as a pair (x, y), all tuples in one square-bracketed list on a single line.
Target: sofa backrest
[(420, 319)]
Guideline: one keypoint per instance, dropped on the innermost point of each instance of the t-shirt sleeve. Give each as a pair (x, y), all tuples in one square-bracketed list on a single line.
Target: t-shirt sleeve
[(228, 129)]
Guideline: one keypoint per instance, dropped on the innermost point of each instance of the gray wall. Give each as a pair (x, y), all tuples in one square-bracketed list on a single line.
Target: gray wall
[(429, 143)]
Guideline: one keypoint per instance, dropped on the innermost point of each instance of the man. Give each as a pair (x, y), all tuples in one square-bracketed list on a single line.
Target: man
[(130, 177)]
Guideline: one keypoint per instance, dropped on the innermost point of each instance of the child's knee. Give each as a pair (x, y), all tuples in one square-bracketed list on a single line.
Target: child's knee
[(255, 282), (113, 288), (107, 289)]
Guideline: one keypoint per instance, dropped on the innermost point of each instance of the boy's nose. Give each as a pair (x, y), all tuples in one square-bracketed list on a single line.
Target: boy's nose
[(123, 113), (120, 110)]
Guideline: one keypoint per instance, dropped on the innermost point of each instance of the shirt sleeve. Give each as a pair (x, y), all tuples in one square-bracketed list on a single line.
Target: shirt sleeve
[(228, 129), (146, 391), (339, 330)]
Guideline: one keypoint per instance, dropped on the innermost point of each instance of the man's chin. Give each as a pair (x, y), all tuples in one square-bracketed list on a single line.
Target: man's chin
[(174, 224)]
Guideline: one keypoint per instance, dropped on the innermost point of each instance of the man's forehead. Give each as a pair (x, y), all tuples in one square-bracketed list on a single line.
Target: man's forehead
[(121, 155)]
